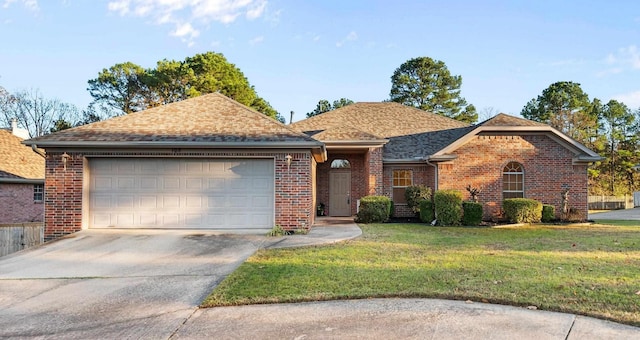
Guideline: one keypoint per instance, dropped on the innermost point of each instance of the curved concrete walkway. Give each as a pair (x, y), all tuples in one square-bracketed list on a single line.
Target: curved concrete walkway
[(388, 318)]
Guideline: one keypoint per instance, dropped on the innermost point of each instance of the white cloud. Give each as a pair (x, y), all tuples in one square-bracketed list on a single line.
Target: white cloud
[(625, 58), (631, 99), (188, 15), (31, 5), (352, 36), (185, 30), (256, 40)]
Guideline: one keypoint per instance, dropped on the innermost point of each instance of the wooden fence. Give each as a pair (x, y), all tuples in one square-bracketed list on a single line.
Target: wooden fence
[(14, 237), (611, 202)]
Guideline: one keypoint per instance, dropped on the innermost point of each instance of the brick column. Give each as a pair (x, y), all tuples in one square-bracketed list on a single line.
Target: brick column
[(373, 171)]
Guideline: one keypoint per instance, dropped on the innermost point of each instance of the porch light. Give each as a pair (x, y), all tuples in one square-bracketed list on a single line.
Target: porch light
[(288, 159), (65, 158)]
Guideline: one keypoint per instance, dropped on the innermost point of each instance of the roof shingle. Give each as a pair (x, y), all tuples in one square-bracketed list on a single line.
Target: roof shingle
[(18, 161), (383, 120), (211, 118)]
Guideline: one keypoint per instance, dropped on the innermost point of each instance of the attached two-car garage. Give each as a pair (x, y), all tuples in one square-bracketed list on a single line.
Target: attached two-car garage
[(193, 193)]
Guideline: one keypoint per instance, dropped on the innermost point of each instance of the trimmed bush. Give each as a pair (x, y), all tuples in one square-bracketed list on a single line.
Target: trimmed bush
[(472, 213), (415, 194), (374, 209), (427, 214), (522, 210), (548, 213), (448, 207)]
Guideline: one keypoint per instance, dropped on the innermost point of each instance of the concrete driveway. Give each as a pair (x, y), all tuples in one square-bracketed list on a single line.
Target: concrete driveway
[(623, 214), (115, 284)]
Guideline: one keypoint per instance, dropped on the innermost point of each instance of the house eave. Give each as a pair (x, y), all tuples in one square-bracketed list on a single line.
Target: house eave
[(318, 149), (585, 159), (22, 180), (417, 160), (365, 144)]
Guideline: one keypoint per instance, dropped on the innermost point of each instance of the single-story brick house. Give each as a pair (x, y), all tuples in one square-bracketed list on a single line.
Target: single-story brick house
[(381, 148), (210, 162), (21, 179)]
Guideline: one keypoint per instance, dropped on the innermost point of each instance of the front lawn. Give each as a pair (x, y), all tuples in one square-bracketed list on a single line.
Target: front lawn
[(592, 271)]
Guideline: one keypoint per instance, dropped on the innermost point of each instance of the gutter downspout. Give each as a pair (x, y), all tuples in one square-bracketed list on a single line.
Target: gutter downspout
[(435, 184), (35, 149), (435, 167)]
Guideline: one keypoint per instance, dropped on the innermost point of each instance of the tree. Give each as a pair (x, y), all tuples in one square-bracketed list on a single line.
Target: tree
[(564, 106), (127, 87), (427, 84), (119, 88), (35, 113), (341, 102), (618, 125), (325, 106)]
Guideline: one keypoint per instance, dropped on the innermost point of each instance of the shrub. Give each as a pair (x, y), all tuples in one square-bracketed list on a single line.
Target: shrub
[(472, 213), (448, 207), (427, 214), (522, 210), (392, 209), (548, 213), (374, 209), (415, 194)]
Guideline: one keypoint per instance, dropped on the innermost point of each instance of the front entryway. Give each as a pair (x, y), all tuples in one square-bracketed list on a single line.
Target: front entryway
[(340, 193)]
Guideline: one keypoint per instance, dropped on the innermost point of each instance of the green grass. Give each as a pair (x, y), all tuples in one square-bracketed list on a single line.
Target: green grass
[(592, 271), (620, 223)]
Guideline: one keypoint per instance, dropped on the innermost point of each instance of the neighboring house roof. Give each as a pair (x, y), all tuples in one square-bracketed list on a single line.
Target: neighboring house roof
[(204, 121), (19, 163)]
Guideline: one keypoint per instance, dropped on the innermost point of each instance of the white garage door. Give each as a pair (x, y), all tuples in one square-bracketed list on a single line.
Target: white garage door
[(181, 193)]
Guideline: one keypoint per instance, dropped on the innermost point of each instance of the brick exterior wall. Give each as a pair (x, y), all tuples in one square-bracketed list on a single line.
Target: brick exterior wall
[(63, 208), (374, 172), (547, 166), (422, 175), (18, 206)]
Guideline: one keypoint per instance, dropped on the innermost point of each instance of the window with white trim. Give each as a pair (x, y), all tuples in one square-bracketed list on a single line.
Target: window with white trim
[(401, 180), (38, 192), (513, 181)]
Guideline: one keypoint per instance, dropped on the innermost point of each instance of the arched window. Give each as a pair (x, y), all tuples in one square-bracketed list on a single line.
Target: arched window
[(340, 164), (513, 181)]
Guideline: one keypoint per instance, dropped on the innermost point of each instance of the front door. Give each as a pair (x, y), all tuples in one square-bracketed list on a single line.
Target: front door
[(340, 193)]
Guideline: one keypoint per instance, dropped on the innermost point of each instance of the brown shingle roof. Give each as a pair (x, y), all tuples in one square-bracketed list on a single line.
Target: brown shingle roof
[(211, 118), (18, 161), (344, 133), (383, 120), (506, 120)]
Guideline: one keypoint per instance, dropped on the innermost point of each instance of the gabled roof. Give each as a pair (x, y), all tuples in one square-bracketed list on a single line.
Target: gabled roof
[(17, 161), (503, 123), (206, 121), (383, 120), (502, 119)]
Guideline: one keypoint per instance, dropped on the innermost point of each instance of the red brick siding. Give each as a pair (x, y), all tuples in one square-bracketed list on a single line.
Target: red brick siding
[(294, 207), (359, 185), (16, 200), (547, 166), (374, 172), (294, 191), (63, 195), (422, 175)]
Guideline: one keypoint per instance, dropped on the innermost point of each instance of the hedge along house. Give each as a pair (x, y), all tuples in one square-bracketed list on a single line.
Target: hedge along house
[(381, 148), (206, 162)]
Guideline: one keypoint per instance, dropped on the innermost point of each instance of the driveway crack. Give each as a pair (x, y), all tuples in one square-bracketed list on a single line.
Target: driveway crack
[(172, 336), (573, 322)]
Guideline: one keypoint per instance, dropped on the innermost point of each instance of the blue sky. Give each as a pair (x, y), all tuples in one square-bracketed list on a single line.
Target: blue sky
[(298, 52)]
